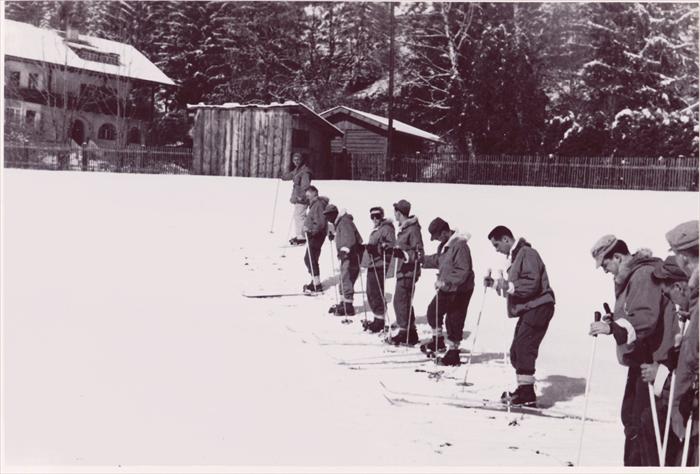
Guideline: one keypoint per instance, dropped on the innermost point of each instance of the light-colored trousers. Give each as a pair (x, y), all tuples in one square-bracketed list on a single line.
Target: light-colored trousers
[(298, 217)]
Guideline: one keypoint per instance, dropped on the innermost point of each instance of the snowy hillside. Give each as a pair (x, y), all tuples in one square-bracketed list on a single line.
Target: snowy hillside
[(127, 341)]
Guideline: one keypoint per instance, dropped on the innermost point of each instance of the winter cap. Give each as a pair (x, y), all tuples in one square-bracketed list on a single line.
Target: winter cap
[(403, 206), (330, 209), (601, 248), (437, 226), (684, 236), (376, 212), (667, 270)]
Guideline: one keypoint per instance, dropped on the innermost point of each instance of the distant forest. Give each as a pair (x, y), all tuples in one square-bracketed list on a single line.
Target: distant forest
[(570, 79)]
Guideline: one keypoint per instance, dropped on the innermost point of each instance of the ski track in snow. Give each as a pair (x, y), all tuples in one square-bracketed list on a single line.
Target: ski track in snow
[(127, 340)]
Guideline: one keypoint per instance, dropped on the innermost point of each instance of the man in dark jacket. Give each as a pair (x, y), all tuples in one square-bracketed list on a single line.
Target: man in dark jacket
[(530, 299), (454, 288), (348, 242), (315, 229), (634, 325), (409, 252), (300, 175), (683, 240), (377, 259)]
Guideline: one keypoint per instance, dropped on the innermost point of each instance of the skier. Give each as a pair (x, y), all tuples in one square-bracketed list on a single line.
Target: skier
[(314, 228), (300, 175), (454, 288), (530, 299), (673, 282), (633, 324), (683, 240), (409, 251), (349, 244), (376, 259)]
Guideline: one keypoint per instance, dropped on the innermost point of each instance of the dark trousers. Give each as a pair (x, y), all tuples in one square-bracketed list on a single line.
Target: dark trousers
[(314, 249), (529, 331), (349, 270), (635, 407), (405, 315), (375, 289), (453, 308), (647, 425)]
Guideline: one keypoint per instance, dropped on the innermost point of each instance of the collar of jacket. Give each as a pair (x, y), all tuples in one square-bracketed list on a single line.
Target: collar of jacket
[(323, 199), (640, 258), (520, 243), (341, 213), (412, 220), (385, 222)]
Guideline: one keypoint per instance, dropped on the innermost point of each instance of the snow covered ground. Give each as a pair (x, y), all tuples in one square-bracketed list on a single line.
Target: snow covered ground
[(127, 342)]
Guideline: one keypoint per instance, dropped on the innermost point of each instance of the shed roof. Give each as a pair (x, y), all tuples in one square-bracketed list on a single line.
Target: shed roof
[(335, 131), (383, 122), (29, 42)]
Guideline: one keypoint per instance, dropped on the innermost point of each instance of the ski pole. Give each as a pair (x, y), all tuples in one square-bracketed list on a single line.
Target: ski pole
[(335, 287), (686, 441), (362, 285), (655, 419), (596, 318), (505, 350), (381, 288), (437, 328), (662, 461), (274, 206), (476, 333), (311, 262), (386, 306)]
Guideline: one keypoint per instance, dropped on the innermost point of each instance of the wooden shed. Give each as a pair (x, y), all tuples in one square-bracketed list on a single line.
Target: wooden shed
[(366, 133), (258, 140)]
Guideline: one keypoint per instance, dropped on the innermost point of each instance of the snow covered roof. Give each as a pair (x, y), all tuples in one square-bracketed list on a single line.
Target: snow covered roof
[(290, 103), (383, 122), (29, 42)]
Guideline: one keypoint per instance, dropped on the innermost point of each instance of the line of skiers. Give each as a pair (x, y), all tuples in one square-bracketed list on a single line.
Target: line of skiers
[(655, 326), (654, 321)]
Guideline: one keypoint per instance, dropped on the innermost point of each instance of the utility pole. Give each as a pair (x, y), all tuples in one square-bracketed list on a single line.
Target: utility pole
[(390, 92)]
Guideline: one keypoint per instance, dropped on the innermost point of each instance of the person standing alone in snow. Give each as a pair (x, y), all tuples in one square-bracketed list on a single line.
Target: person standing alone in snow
[(314, 228), (634, 325), (530, 299), (409, 251), (454, 288), (300, 175), (377, 259), (349, 244)]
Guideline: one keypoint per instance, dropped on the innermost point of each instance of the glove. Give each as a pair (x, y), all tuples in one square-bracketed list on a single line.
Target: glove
[(501, 287), (439, 285), (331, 236), (608, 315), (648, 372), (372, 249), (398, 253), (488, 280), (386, 246), (688, 403)]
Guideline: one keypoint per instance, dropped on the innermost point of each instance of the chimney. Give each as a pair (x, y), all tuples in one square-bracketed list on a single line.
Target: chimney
[(71, 33)]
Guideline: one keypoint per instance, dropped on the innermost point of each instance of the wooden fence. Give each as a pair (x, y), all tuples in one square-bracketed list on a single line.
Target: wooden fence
[(663, 174), (153, 160)]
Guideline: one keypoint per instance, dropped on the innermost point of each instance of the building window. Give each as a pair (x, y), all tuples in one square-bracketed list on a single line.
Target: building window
[(30, 118), (33, 80), (134, 137), (14, 78), (300, 138), (12, 115), (96, 56), (107, 132)]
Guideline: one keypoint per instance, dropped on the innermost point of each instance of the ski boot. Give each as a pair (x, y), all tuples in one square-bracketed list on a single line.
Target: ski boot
[(524, 395), (405, 338), (428, 348), (294, 241), (312, 288), (342, 309), (377, 325), (451, 357)]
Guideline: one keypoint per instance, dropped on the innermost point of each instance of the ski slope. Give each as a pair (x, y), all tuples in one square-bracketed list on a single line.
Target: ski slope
[(127, 341)]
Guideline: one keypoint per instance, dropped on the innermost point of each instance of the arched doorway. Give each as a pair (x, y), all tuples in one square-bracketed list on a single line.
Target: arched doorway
[(77, 131)]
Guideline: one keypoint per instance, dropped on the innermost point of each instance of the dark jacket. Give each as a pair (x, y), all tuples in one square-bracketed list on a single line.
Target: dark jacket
[(639, 304), (384, 233), (409, 240), (315, 222), (530, 282), (687, 370), (347, 237), (454, 263), (301, 177)]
